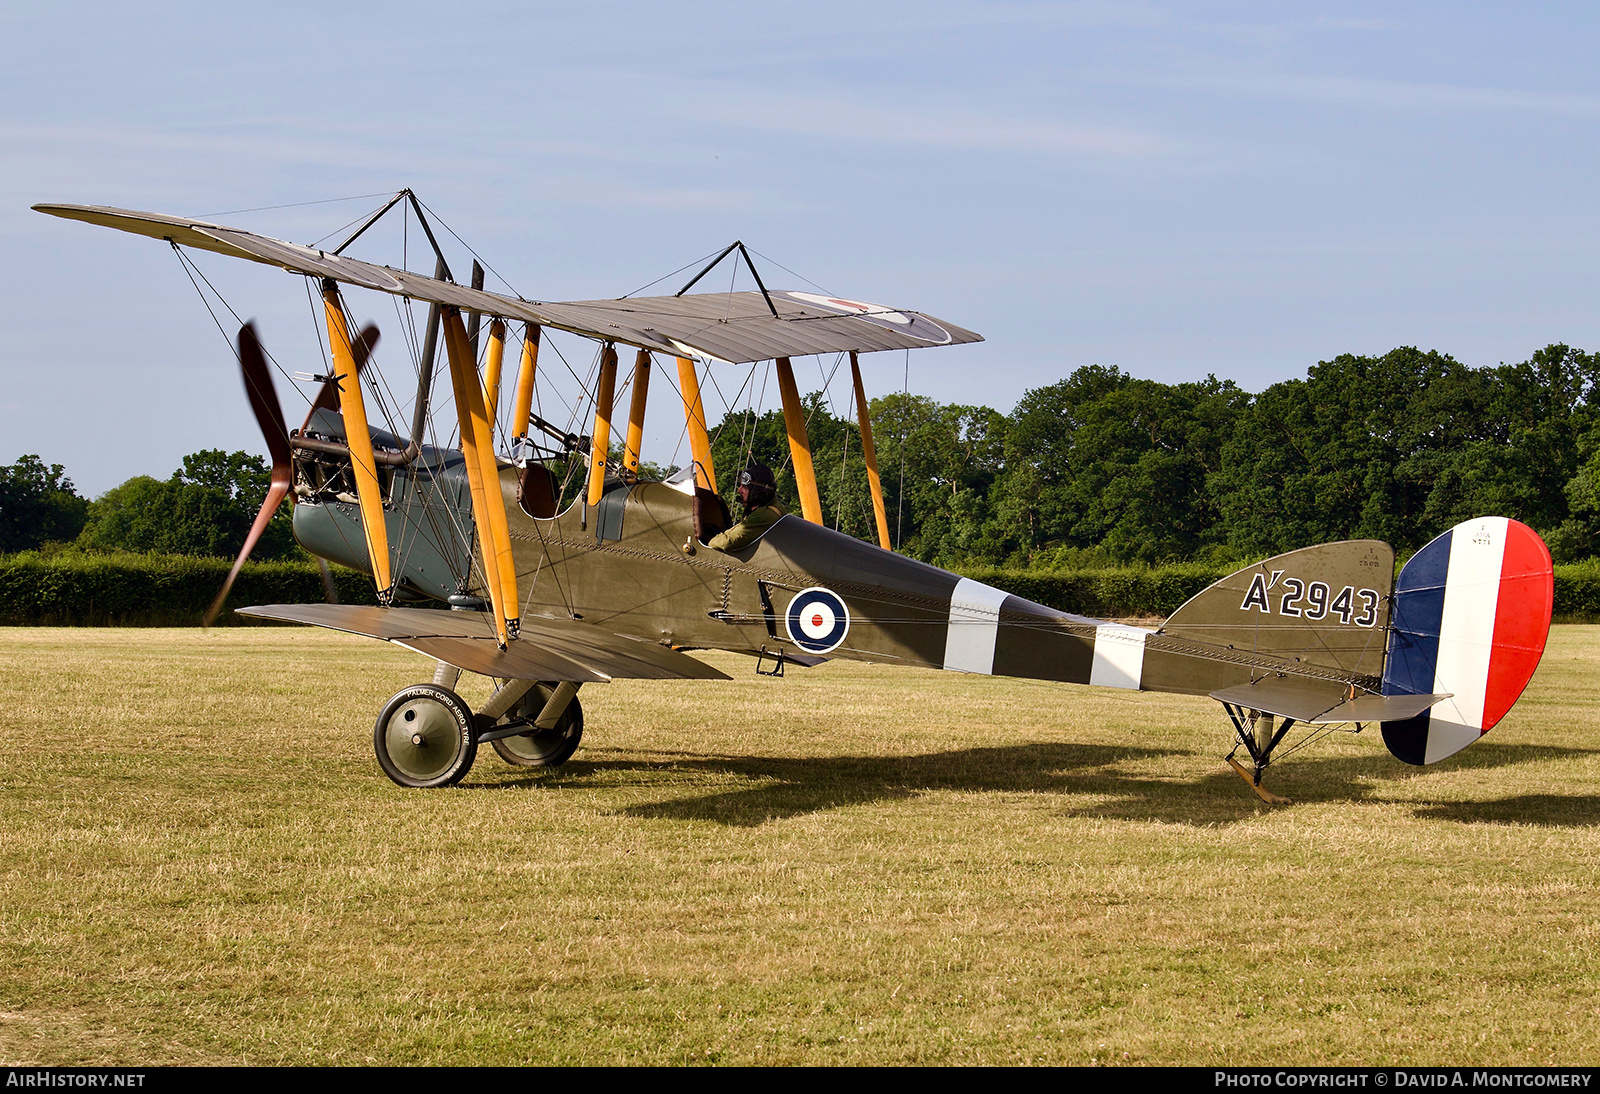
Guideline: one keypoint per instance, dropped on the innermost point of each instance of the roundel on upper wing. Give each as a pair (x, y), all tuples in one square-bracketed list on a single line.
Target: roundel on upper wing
[(817, 620), (908, 323)]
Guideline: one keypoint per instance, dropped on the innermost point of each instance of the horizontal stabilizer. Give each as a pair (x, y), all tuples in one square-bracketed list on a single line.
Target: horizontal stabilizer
[(547, 649), (1319, 703)]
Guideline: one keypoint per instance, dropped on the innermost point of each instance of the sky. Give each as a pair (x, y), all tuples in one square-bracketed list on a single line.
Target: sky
[(1237, 189)]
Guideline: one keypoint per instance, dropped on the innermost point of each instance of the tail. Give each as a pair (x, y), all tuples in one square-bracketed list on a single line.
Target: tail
[(1470, 616), (1311, 621)]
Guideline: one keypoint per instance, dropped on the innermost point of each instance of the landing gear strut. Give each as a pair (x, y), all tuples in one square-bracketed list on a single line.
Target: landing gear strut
[(545, 727), (427, 735)]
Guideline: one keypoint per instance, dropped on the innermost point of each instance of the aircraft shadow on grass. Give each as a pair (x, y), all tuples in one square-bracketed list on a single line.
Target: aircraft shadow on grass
[(791, 786)]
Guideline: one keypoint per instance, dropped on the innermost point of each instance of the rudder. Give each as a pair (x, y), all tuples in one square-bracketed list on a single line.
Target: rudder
[(1470, 616)]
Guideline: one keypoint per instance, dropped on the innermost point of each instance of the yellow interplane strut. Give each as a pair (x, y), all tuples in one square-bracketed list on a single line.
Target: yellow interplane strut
[(794, 420), (483, 477), (641, 388), (870, 453), (358, 436), (605, 390), (694, 415), (491, 371), (522, 406)]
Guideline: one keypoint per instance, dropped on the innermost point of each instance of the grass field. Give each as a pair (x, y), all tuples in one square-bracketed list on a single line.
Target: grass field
[(202, 863)]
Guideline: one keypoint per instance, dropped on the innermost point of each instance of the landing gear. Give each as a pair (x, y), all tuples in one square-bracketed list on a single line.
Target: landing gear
[(1259, 736), (541, 747), (425, 737)]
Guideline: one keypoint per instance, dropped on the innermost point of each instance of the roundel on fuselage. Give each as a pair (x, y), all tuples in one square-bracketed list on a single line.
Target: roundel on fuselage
[(817, 620)]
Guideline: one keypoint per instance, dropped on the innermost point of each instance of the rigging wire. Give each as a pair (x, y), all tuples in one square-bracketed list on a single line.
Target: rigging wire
[(474, 254), (790, 272), (341, 228), (298, 205), (844, 460), (663, 277), (317, 325), (191, 271), (900, 494)]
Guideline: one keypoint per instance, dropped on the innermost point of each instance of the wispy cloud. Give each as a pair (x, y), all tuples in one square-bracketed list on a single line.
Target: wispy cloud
[(1366, 92), (953, 128)]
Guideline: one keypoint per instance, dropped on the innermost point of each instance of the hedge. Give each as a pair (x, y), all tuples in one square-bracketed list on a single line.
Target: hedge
[(173, 591), (129, 590)]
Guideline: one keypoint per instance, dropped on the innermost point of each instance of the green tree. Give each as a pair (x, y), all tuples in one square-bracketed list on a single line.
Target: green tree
[(148, 515), (38, 505), (1103, 461), (205, 508), (245, 478), (1401, 447), (1353, 451)]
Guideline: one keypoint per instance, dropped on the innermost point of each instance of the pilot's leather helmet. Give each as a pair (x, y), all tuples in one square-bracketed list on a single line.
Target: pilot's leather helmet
[(757, 486)]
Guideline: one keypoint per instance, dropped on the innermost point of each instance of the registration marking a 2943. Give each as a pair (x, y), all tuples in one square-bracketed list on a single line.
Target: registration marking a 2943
[(1314, 600)]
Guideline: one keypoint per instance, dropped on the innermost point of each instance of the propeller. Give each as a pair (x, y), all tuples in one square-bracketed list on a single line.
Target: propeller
[(264, 403)]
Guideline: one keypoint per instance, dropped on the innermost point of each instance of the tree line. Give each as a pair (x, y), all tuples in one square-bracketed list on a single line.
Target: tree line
[(1101, 468), (1105, 468), (204, 509)]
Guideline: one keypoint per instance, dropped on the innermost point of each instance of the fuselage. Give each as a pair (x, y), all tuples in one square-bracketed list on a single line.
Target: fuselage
[(634, 565)]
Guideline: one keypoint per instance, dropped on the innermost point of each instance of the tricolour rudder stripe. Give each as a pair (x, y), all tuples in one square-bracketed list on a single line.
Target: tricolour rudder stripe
[(1414, 621), (1466, 626), (1470, 617), (1521, 622)]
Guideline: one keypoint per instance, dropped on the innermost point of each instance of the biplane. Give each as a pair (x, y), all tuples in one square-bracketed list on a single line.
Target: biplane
[(549, 588)]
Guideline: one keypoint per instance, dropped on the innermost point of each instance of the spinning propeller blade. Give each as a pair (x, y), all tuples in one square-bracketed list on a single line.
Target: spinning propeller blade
[(263, 397), (269, 415)]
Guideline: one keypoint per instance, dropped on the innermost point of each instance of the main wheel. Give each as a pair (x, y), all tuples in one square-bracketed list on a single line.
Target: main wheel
[(551, 748), (425, 737)]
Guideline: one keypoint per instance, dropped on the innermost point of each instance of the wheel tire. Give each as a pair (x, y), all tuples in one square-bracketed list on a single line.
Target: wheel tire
[(425, 737), (553, 747)]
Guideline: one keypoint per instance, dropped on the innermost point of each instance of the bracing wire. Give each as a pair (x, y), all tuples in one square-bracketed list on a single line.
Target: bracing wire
[(790, 272), (440, 220), (192, 271), (664, 276), (296, 205)]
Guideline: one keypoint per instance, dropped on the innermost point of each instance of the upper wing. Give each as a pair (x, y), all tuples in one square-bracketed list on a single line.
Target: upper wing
[(733, 327), (548, 649)]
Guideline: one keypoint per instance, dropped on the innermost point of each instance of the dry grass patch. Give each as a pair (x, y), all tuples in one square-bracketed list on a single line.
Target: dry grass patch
[(203, 863)]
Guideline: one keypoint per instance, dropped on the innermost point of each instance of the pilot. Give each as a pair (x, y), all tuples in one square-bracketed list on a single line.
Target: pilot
[(757, 492)]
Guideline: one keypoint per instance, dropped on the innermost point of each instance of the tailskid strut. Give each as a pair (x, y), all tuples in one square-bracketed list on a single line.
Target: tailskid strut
[(1257, 734)]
